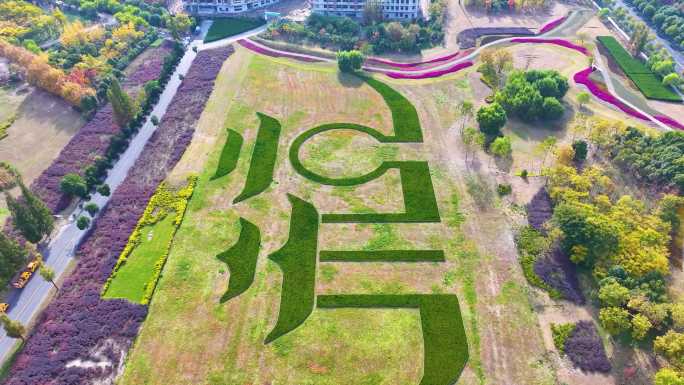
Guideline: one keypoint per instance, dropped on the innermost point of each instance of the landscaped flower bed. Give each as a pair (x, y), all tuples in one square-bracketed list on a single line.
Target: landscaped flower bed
[(468, 37), (556, 270), (272, 53), (78, 322), (552, 24), (91, 142), (560, 42), (539, 210), (439, 59), (585, 348), (430, 74), (582, 77)]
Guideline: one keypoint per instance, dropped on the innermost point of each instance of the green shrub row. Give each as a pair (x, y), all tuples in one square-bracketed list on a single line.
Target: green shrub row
[(297, 260), (444, 339), (262, 163), (382, 256), (4, 126), (638, 72), (241, 259), (560, 333), (420, 203), (229, 155)]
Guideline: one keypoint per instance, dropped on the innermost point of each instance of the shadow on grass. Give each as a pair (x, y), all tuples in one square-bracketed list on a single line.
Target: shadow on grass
[(349, 80)]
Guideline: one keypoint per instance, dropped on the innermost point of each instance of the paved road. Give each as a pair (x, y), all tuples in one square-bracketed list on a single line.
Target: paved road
[(676, 55), (25, 304)]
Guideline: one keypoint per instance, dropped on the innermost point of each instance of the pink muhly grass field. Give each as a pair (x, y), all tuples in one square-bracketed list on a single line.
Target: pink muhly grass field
[(430, 74), (273, 53), (552, 24), (560, 42)]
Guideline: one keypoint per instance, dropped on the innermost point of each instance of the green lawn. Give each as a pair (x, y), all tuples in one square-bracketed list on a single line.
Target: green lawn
[(134, 275), (640, 74), (222, 28)]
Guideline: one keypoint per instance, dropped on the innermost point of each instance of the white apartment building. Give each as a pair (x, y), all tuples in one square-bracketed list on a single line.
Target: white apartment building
[(224, 7), (392, 9)]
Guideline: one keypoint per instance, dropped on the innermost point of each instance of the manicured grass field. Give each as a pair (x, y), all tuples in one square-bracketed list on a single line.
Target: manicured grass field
[(642, 76), (263, 159), (133, 277), (229, 154), (227, 27), (241, 259)]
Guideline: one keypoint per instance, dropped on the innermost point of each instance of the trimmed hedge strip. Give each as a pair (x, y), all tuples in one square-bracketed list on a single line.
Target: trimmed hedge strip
[(297, 260), (241, 259), (382, 256), (642, 76), (404, 115), (420, 203), (444, 338), (262, 164), (229, 155)]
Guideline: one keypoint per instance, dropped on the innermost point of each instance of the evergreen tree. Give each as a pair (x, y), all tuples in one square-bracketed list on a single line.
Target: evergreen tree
[(41, 213), (123, 107), (22, 220), (14, 329), (12, 257)]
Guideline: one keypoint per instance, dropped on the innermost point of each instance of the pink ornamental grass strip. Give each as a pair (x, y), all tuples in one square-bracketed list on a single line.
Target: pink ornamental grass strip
[(273, 53), (430, 74), (560, 42), (414, 64), (669, 121), (552, 24), (582, 77)]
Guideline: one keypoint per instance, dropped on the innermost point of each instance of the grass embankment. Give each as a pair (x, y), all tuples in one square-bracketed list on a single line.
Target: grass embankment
[(641, 76), (227, 27)]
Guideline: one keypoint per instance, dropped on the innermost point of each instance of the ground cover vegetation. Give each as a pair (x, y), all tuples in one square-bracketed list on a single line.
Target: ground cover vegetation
[(231, 26), (139, 266), (468, 38), (229, 155), (583, 346), (652, 158), (642, 76), (262, 163), (64, 331), (373, 35), (241, 259)]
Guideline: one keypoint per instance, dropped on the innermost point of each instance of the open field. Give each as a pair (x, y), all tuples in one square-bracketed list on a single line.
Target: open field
[(201, 341)]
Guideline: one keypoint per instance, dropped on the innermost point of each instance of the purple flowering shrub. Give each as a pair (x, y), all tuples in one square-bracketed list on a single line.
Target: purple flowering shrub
[(556, 270), (584, 348), (78, 324), (539, 210), (90, 142)]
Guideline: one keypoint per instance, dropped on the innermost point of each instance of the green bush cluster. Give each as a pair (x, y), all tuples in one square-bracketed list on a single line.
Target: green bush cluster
[(264, 155), (560, 333), (642, 76), (229, 155)]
